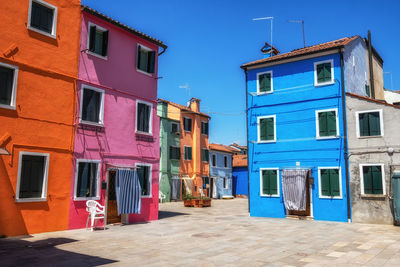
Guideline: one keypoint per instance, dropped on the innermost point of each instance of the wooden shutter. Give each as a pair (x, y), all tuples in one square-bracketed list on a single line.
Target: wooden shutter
[(151, 61), (273, 182), (367, 91), (377, 180), (104, 44), (92, 38), (206, 126), (325, 186), (265, 183), (206, 153), (368, 186), (263, 129), (270, 129), (327, 70), (320, 73), (331, 123), (264, 82), (213, 160), (6, 84), (190, 153), (334, 182), (323, 123), (363, 124), (138, 56), (374, 124)]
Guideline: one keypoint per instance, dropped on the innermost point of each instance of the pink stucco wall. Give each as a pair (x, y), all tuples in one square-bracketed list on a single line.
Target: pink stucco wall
[(116, 142)]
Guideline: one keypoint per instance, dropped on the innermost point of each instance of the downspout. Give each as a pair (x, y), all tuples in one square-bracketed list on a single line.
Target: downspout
[(346, 159), (162, 52), (247, 140), (371, 66)]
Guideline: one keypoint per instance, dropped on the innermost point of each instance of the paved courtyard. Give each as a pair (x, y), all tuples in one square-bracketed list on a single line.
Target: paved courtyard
[(223, 235)]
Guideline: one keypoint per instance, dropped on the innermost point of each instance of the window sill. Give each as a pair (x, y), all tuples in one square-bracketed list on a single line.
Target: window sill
[(266, 142), (327, 137), (143, 133), (8, 107), (323, 84), (22, 200), (144, 72), (86, 198), (91, 123), (96, 55), (372, 136), (270, 196), (265, 93), (42, 32), (328, 197), (373, 197)]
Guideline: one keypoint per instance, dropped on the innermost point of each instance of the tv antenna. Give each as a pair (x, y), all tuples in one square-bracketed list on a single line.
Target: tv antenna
[(268, 18), (391, 79), (302, 22), (187, 87)]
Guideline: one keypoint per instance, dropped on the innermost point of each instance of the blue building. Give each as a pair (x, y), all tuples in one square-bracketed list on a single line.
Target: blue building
[(297, 129), (240, 181), (220, 170)]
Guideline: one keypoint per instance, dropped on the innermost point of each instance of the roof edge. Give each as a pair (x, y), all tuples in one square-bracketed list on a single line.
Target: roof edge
[(372, 100)]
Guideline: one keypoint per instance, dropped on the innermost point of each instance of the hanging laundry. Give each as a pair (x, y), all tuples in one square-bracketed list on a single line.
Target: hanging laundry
[(294, 189), (128, 192), (175, 188), (188, 185)]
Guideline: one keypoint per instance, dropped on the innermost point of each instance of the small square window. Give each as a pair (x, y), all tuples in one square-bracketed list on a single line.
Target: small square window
[(226, 183), (98, 40), (266, 129), (92, 105), (144, 117), (327, 123), (8, 85), (145, 59), (225, 161), (330, 184), (214, 160), (144, 175), (188, 153), (204, 155), (88, 177), (32, 176), (264, 82), (204, 127), (187, 124), (373, 181), (174, 153), (42, 17), (174, 127), (269, 184), (323, 72), (369, 123)]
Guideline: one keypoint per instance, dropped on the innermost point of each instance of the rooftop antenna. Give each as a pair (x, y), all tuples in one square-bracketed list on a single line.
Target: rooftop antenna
[(272, 19), (302, 22), (391, 78), (187, 87)]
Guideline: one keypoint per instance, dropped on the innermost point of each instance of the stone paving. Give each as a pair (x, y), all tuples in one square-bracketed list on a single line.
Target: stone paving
[(223, 235)]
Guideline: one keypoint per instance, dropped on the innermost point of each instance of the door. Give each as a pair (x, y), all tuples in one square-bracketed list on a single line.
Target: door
[(308, 209), (112, 209)]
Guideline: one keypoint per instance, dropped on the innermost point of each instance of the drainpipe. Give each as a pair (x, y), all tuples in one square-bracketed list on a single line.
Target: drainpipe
[(247, 138), (371, 66), (346, 159)]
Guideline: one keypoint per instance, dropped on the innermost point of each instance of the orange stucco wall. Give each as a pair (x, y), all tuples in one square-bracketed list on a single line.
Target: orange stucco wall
[(195, 168), (42, 120)]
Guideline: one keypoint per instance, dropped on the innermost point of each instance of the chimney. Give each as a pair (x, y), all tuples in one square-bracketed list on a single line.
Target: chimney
[(269, 51), (194, 104)]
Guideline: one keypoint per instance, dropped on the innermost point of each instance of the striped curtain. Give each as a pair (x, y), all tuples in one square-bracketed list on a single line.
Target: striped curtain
[(128, 192), (294, 189), (175, 188)]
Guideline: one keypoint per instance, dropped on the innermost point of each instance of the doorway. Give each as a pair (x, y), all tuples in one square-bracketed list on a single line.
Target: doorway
[(112, 208), (307, 212)]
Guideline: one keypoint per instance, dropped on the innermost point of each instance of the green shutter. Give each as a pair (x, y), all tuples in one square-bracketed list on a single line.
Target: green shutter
[(104, 44), (328, 74), (367, 173), (377, 180), (324, 72), (334, 182), (264, 81), (263, 129), (320, 73), (367, 91), (265, 182), (325, 187), (190, 153), (363, 123), (374, 124), (322, 118), (270, 129), (207, 155), (273, 183), (331, 123)]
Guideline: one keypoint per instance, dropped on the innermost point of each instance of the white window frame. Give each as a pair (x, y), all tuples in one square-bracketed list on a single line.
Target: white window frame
[(14, 87), (150, 177), (317, 123), (258, 84), (261, 183), (380, 122), (150, 117), (259, 129), (88, 40), (191, 124), (98, 162), (53, 33), (184, 153), (213, 155), (382, 165), (320, 184), (137, 59), (332, 81), (45, 178), (101, 113)]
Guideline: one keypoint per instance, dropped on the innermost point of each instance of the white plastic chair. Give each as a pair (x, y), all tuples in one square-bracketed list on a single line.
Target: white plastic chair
[(96, 211)]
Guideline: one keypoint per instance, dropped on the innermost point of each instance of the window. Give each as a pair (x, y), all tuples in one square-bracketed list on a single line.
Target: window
[(144, 175), (372, 179), (188, 153), (225, 161), (330, 184), (144, 117), (369, 123), (269, 182), (323, 72), (187, 124), (264, 82), (204, 127), (145, 59), (87, 179), (327, 123), (8, 85), (42, 18), (367, 90), (98, 40), (214, 161), (225, 183), (204, 155), (266, 129), (206, 182), (174, 127), (92, 106), (174, 153), (32, 177)]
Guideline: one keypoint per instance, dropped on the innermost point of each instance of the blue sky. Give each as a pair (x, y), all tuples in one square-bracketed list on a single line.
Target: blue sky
[(208, 41)]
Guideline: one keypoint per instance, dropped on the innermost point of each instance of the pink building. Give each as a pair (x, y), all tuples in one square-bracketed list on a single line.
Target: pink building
[(116, 120)]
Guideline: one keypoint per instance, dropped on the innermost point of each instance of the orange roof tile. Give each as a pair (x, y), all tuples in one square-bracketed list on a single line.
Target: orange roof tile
[(303, 51), (239, 161), (182, 107), (222, 148)]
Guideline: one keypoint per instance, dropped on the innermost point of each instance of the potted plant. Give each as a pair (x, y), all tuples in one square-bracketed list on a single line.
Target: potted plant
[(191, 201)]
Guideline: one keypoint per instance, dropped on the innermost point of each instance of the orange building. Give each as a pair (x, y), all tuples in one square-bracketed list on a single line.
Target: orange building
[(39, 49)]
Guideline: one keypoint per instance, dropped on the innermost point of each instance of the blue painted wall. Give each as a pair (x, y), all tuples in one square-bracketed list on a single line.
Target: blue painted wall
[(294, 102), (219, 172), (240, 184)]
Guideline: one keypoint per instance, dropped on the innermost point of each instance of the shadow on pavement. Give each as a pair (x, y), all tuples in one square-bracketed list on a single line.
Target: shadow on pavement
[(168, 214), (17, 252)]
